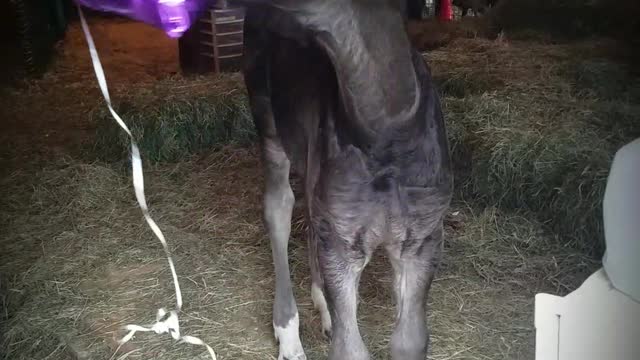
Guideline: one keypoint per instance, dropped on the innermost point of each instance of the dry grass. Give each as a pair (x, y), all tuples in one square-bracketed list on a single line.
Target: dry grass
[(175, 118), (78, 262), (534, 126), (96, 267)]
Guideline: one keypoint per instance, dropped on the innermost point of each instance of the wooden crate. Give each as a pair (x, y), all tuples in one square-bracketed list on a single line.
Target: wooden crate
[(214, 43)]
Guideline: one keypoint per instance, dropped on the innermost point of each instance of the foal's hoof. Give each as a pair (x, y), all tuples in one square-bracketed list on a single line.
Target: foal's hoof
[(326, 324), (327, 333), (291, 351), (288, 337), (296, 357), (320, 304)]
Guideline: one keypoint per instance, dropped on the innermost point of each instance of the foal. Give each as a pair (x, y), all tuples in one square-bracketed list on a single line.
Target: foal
[(338, 95)]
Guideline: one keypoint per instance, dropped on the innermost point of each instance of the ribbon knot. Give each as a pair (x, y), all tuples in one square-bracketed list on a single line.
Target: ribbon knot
[(167, 322)]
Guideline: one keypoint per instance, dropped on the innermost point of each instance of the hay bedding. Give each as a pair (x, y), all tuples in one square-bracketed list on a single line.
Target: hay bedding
[(77, 261), (95, 268)]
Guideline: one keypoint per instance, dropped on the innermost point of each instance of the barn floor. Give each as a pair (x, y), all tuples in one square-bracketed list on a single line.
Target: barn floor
[(77, 261)]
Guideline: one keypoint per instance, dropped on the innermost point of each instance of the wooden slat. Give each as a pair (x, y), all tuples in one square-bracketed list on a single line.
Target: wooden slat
[(210, 44), (222, 11), (230, 56), (210, 33), (226, 22), (229, 33), (221, 57), (231, 44)]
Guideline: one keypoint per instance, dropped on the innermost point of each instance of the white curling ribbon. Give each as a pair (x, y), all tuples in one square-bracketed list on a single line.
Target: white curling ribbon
[(164, 324), (168, 324)]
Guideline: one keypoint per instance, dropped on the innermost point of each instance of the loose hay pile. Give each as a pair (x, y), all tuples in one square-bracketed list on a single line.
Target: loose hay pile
[(77, 261), (176, 118), (95, 268), (536, 130)]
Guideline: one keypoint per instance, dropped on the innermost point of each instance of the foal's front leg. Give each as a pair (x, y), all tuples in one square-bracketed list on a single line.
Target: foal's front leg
[(278, 196)]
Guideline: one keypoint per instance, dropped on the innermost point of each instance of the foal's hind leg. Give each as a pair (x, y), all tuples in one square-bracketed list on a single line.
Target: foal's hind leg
[(278, 196), (278, 206), (414, 263)]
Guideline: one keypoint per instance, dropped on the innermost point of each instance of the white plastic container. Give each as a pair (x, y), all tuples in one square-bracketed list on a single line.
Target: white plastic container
[(601, 319), (595, 322)]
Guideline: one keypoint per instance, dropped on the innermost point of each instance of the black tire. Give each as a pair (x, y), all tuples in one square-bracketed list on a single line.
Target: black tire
[(32, 28)]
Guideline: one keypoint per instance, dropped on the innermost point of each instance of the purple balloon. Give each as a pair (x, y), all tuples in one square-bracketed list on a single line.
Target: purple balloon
[(173, 16)]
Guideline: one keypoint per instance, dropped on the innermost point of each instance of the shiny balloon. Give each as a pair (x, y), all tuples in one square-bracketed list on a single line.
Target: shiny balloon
[(173, 16)]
